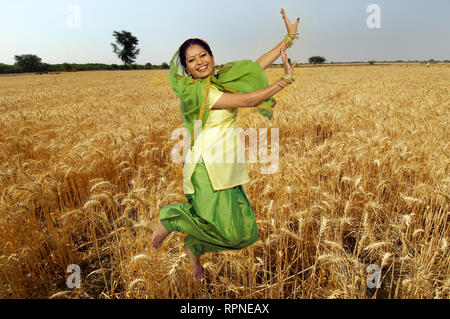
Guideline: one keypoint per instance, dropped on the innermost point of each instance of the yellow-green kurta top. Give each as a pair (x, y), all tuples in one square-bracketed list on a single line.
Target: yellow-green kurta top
[(214, 145)]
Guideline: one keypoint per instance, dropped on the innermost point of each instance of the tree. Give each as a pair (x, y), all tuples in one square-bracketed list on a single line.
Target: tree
[(128, 52), (67, 67), (28, 62), (4, 68), (317, 60)]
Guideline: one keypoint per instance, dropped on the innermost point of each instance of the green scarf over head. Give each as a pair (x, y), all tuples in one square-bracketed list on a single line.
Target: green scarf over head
[(243, 76)]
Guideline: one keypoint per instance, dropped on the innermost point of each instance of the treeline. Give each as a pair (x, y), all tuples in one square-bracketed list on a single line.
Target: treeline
[(391, 61), (74, 67)]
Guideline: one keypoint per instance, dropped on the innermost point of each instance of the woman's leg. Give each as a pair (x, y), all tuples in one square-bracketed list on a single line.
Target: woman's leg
[(169, 216), (159, 235), (180, 217), (225, 216), (213, 220), (234, 229), (197, 269), (229, 221)]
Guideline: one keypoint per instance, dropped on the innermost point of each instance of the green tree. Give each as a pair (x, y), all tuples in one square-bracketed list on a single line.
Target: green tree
[(28, 62), (4, 68), (125, 47), (317, 60), (67, 67), (44, 67)]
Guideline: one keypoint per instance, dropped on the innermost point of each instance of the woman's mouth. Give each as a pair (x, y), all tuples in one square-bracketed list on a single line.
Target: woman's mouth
[(203, 68)]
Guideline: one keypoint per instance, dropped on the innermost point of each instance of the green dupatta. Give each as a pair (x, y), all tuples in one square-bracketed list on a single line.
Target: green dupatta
[(243, 76)]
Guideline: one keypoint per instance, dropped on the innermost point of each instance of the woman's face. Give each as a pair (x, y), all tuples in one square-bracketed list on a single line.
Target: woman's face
[(199, 63)]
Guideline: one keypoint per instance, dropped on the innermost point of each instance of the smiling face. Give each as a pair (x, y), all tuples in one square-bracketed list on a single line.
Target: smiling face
[(199, 63)]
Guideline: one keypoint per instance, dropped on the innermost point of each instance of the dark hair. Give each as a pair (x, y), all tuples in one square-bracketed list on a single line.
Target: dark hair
[(190, 42)]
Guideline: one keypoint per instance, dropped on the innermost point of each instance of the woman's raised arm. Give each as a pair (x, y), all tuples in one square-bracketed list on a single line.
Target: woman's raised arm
[(232, 100), (268, 58)]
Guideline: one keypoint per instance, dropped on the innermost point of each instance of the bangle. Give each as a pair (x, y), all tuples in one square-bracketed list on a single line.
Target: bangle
[(289, 78), (288, 41), (285, 82), (290, 38), (280, 84)]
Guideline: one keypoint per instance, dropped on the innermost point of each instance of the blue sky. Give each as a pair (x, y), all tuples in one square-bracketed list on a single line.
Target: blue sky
[(235, 29)]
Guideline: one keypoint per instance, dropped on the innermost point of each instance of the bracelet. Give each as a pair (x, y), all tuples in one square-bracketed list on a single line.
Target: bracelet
[(280, 84), (286, 83), (290, 38), (289, 78)]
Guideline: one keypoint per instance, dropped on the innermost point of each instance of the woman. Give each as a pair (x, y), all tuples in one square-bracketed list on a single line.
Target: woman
[(218, 215)]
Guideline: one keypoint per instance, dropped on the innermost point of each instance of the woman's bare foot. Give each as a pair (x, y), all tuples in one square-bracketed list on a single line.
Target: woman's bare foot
[(197, 269), (159, 235)]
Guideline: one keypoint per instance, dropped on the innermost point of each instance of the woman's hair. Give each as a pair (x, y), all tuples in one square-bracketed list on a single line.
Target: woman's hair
[(190, 42)]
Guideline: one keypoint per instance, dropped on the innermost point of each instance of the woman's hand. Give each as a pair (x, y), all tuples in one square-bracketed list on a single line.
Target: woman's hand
[(291, 28), (288, 69), (268, 58)]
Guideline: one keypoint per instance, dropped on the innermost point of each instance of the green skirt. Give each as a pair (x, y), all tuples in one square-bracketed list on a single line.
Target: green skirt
[(213, 220)]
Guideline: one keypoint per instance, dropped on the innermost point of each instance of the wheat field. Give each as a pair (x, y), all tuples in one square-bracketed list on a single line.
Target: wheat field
[(363, 180)]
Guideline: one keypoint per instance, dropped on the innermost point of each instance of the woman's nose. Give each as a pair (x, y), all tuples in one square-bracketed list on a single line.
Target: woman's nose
[(198, 62)]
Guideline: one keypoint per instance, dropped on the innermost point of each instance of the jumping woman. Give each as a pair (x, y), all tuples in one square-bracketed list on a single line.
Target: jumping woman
[(218, 214)]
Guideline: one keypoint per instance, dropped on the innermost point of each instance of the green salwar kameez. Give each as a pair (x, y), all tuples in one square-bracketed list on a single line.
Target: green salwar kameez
[(213, 220), (219, 217)]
